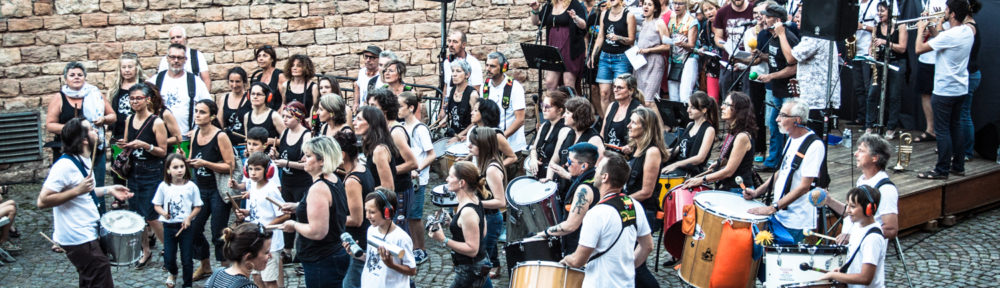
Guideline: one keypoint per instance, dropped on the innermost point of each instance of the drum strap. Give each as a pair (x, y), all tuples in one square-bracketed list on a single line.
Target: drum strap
[(93, 196), (873, 230), (796, 162), (626, 210)]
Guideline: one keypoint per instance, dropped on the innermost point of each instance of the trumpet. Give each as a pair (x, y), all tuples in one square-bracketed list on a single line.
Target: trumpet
[(911, 24)]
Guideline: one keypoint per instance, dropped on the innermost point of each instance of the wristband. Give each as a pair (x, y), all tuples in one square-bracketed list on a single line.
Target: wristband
[(547, 232), (444, 243), (151, 147)]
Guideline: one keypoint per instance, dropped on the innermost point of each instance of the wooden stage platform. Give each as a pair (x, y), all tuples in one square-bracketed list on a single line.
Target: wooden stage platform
[(922, 200)]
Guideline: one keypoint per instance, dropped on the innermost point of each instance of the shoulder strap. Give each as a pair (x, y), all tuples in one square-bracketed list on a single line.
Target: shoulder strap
[(847, 265), (77, 162), (159, 80), (618, 203), (191, 94), (414, 130), (505, 101), (610, 118), (797, 160), (195, 69), (404, 132), (883, 182)]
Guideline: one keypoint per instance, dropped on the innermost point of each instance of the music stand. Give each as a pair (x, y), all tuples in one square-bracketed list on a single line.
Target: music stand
[(542, 57)]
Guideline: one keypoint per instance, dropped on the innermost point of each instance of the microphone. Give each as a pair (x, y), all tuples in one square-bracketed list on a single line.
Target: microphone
[(355, 249), (806, 267), (750, 23), (786, 24)]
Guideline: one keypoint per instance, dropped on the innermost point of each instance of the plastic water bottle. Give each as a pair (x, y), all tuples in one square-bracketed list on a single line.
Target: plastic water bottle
[(847, 138)]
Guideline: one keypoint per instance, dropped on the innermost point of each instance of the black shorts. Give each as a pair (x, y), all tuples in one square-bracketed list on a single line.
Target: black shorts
[(925, 78)]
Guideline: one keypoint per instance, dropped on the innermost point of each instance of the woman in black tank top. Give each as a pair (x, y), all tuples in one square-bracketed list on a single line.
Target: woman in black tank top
[(300, 73), (627, 99), (295, 180), (648, 153), (358, 183), (456, 113), (211, 153), (234, 106), (540, 154), (377, 145), (269, 74), (694, 146), (615, 35), (145, 134), (467, 253), (580, 117), (263, 116), (332, 113), (736, 154), (483, 144)]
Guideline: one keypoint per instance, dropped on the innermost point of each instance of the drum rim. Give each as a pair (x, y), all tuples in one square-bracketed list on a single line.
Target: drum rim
[(803, 248), (125, 213), (530, 239), (719, 214), (511, 202), (546, 263)]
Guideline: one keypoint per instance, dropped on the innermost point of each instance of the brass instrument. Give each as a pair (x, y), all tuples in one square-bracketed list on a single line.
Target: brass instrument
[(903, 152), (911, 24), (851, 46)]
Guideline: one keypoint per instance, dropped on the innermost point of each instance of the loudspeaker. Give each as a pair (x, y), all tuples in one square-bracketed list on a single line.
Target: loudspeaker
[(829, 19), (987, 141)]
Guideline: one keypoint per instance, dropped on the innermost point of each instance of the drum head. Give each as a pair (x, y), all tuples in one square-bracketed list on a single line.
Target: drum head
[(122, 222), (441, 146), (459, 149), (526, 190), (440, 189), (728, 205)]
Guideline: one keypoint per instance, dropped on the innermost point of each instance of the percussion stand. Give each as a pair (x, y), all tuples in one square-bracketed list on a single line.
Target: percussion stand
[(902, 258)]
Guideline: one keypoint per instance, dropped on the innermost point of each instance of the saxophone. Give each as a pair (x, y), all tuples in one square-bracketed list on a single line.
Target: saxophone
[(874, 54)]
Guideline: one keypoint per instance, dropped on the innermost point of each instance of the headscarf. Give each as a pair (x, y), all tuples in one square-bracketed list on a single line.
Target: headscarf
[(93, 105)]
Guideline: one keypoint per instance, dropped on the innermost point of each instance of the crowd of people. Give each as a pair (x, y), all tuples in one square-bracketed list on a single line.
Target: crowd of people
[(302, 165)]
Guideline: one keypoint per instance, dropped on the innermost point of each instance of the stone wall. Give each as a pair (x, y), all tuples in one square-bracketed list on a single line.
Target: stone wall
[(41, 36)]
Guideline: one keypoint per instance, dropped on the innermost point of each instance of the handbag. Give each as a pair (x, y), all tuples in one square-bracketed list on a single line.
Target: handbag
[(121, 167)]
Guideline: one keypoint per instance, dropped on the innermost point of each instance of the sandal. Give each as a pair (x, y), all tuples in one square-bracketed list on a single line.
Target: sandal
[(932, 175), (170, 282), (200, 274), (142, 264), (925, 137), (57, 249)]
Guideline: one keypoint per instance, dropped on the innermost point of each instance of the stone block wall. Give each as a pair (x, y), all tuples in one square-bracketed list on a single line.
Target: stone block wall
[(41, 36)]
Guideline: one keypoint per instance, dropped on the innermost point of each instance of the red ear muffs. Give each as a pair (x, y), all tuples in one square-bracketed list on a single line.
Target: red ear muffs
[(870, 209), (268, 175), (389, 209), (872, 206), (386, 213)]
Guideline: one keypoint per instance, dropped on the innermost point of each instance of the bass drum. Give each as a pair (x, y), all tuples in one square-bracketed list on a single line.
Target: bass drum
[(532, 206), (545, 274), (533, 249), (121, 232)]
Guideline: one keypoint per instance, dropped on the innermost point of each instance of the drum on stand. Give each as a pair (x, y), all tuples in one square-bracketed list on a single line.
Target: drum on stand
[(545, 274), (533, 248), (673, 211), (451, 155), (441, 197), (667, 183), (783, 263), (532, 207), (713, 210), (121, 233)]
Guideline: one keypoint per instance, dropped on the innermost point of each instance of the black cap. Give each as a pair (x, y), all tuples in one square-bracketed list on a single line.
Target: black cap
[(775, 10), (372, 49)]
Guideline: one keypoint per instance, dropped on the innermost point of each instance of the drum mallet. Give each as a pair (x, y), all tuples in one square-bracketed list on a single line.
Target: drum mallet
[(807, 267), (810, 233), (50, 240)]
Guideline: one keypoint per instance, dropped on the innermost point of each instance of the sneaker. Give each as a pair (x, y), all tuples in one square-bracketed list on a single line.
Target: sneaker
[(420, 256)]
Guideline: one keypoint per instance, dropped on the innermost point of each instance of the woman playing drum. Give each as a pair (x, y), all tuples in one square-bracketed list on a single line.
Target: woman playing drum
[(467, 255), (736, 154), (541, 153), (695, 145)]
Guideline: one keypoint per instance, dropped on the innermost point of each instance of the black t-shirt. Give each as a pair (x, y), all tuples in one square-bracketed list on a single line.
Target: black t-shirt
[(776, 60)]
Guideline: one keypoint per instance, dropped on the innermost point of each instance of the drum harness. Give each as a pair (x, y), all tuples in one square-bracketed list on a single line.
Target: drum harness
[(93, 195), (873, 230), (623, 204)]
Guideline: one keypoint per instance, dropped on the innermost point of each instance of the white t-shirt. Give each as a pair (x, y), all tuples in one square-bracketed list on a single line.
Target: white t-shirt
[(177, 200), (375, 273), (868, 14), (617, 267), (475, 76), (887, 203), (932, 6), (175, 98), (800, 214), (263, 211), (75, 221), (420, 143), (202, 65), (362, 83), (872, 252), (507, 117), (951, 74)]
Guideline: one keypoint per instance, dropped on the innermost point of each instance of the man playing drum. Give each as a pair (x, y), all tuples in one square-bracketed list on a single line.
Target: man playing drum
[(582, 157), (800, 164), (68, 188), (611, 228)]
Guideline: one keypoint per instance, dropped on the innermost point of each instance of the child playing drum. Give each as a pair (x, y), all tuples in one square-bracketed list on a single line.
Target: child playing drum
[(263, 200), (386, 270), (866, 265)]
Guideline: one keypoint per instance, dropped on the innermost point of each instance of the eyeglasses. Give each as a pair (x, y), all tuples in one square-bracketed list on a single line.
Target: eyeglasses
[(139, 98), (783, 115), (172, 57), (724, 104)]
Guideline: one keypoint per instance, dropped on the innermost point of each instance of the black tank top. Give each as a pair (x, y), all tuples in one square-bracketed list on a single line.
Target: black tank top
[(204, 177), (272, 132), (68, 112), (459, 113), (745, 169), (308, 250), (360, 234), (546, 147), (564, 150), (234, 119), (503, 179), (688, 147), (634, 183), (370, 165), (892, 39), (974, 54), (305, 97), (619, 28), (456, 234), (402, 181), (123, 109), (616, 133), (571, 240), (147, 135), (275, 101), (293, 153)]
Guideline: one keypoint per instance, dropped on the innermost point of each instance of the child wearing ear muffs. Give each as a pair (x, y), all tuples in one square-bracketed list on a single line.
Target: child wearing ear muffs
[(260, 192), (385, 269), (865, 266)]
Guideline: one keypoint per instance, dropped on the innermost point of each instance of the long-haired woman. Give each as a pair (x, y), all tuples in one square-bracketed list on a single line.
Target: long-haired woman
[(736, 153), (211, 153), (233, 106), (615, 35), (695, 145), (683, 71), (565, 25), (146, 135), (468, 227), (710, 65), (301, 74), (652, 48), (377, 145), (262, 115), (483, 144), (332, 113), (627, 98), (358, 183), (268, 74), (129, 73), (540, 154)]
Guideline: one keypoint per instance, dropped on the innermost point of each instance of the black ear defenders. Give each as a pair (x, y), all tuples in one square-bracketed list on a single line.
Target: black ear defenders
[(389, 209)]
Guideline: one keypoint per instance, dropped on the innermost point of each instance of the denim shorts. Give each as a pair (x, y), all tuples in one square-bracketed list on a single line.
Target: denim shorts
[(610, 66), (416, 209)]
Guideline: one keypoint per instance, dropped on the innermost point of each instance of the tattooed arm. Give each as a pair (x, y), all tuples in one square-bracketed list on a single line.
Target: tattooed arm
[(581, 204)]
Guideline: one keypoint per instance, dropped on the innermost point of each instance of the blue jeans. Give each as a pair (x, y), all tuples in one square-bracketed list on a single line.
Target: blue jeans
[(219, 211), (145, 178), (966, 115), (610, 66), (327, 272), (352, 279), (416, 209), (493, 223), (777, 140), (644, 278), (170, 247), (950, 136)]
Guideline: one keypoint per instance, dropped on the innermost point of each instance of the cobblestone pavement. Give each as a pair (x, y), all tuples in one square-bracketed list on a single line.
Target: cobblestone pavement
[(964, 255)]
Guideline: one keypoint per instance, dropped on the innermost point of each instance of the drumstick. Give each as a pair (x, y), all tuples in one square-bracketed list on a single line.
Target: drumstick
[(50, 239), (810, 233), (807, 267), (233, 202), (273, 201), (272, 227), (179, 232)]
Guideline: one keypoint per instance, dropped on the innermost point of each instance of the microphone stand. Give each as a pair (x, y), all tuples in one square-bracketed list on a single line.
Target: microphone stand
[(752, 59), (730, 65)]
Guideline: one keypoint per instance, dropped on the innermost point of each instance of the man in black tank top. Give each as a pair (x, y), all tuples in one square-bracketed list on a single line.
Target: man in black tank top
[(582, 158)]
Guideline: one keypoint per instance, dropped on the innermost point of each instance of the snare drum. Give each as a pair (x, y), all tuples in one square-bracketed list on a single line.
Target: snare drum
[(440, 148), (121, 233), (533, 249), (532, 207), (714, 209), (441, 197), (783, 261), (451, 155), (545, 274)]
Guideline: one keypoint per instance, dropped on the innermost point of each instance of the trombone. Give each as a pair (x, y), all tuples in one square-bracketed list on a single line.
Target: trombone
[(911, 24)]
